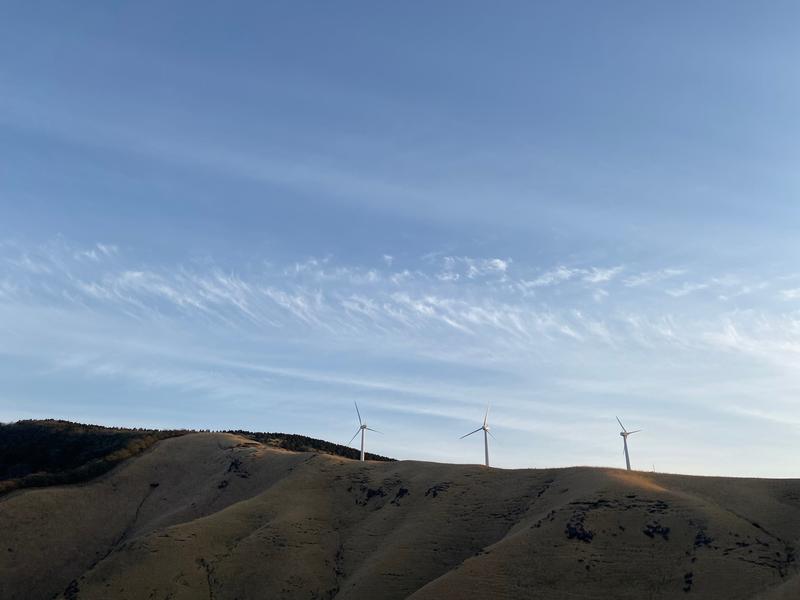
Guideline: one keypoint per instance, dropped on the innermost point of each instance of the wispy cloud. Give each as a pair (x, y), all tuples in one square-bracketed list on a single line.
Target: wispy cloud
[(650, 277), (454, 268), (686, 289), (319, 327), (792, 294), (552, 277), (25, 262), (596, 275), (97, 253), (561, 274)]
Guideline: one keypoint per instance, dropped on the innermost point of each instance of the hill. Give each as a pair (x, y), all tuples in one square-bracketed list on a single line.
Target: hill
[(39, 453), (221, 516), (51, 452)]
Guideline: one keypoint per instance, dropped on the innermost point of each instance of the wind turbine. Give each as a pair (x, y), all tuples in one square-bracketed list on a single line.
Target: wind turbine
[(486, 434), (625, 433), (362, 427)]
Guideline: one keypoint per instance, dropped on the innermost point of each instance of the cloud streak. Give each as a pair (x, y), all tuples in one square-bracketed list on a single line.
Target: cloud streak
[(396, 333)]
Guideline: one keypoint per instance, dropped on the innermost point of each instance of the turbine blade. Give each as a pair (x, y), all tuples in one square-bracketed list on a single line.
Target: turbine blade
[(358, 413), (354, 436), (471, 432), (621, 425), (375, 430), (486, 416), (632, 432), (491, 434)]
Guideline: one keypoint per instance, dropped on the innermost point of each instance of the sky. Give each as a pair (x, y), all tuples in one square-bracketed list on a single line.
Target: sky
[(252, 217)]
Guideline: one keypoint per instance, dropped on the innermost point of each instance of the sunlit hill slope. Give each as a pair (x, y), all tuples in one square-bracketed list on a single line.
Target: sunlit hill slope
[(221, 516)]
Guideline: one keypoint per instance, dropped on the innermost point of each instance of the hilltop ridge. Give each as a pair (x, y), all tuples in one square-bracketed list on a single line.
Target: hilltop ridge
[(43, 452), (222, 516)]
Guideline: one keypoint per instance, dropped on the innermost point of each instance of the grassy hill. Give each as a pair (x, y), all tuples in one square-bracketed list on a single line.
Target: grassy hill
[(222, 516), (302, 443), (51, 452)]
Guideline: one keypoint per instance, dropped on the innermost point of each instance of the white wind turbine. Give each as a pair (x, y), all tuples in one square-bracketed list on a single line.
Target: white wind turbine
[(625, 433), (486, 434), (362, 428)]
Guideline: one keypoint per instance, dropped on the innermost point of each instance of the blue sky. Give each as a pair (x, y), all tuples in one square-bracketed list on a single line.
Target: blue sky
[(252, 218)]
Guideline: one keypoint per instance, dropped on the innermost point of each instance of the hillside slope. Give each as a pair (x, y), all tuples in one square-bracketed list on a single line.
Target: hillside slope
[(41, 453), (51, 452), (222, 517)]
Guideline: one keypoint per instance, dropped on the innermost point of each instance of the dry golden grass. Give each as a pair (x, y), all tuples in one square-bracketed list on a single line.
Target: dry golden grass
[(218, 516)]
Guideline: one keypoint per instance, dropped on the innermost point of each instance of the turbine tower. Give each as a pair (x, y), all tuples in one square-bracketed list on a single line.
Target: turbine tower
[(362, 428), (625, 433), (486, 434)]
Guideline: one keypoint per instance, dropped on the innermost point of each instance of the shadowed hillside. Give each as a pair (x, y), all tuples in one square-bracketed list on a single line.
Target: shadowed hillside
[(49, 452), (222, 516), (52, 452)]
